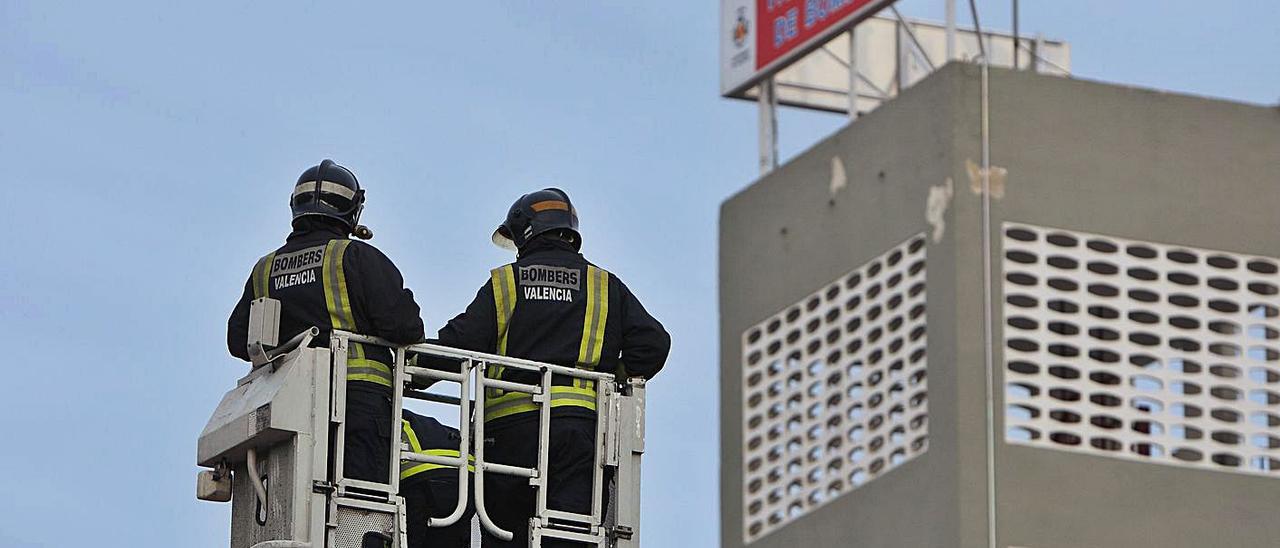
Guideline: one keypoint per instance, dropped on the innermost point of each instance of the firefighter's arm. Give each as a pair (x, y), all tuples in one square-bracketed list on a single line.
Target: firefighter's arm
[(392, 312), (645, 343), (475, 328), (238, 324)]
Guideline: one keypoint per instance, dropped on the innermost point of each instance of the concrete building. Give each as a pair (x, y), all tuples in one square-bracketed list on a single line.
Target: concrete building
[(1135, 386)]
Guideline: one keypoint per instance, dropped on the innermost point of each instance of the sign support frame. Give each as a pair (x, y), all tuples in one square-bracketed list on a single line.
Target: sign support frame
[(767, 100)]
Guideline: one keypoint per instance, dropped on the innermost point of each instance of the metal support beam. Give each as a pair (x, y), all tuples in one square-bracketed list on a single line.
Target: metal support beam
[(951, 30), (900, 60), (768, 102), (862, 77), (911, 33), (1036, 56), (834, 91), (1015, 36), (853, 73)]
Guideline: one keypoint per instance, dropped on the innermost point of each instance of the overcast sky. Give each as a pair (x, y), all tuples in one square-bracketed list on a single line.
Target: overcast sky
[(148, 151)]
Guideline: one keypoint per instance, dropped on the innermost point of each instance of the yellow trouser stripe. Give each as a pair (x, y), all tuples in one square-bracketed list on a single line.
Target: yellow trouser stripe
[(409, 468), (408, 436)]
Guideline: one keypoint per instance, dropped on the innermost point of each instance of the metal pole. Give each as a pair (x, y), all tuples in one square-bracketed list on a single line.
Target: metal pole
[(464, 447), (1037, 55), (899, 59), (338, 412), (397, 418), (987, 311), (541, 482), (768, 102), (598, 487), (853, 74), (481, 465), (1015, 35), (951, 30)]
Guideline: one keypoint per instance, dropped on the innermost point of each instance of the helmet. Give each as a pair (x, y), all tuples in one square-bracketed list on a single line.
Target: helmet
[(328, 190), (536, 213)]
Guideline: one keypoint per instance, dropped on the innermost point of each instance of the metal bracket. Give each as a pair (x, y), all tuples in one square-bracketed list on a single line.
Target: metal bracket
[(323, 487), (264, 329)]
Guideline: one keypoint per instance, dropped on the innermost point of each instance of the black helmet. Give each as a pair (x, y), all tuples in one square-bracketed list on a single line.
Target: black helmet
[(536, 213), (328, 190)]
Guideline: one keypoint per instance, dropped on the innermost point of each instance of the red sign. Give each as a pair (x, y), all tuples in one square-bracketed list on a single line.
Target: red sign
[(785, 25), (760, 37)]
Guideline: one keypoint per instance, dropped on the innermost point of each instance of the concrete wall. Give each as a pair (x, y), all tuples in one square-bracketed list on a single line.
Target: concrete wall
[(788, 235), (1080, 155)]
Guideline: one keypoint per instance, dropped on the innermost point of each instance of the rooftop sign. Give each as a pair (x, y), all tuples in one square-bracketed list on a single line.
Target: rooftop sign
[(759, 37)]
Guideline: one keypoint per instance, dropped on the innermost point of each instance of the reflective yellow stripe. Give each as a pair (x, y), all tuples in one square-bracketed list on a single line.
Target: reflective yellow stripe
[(519, 402), (408, 436), (338, 303), (572, 396), (504, 293), (597, 315), (507, 404), (379, 366), (409, 468), (340, 251), (330, 288), (335, 286), (503, 281), (593, 322), (586, 319), (262, 276), (582, 393), (360, 369), (603, 314), (369, 377)]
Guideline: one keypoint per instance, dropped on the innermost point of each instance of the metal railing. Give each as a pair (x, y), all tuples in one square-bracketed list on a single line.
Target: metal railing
[(618, 442)]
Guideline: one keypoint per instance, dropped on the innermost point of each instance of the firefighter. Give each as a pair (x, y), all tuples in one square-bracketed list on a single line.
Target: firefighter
[(431, 490), (322, 278), (550, 305)]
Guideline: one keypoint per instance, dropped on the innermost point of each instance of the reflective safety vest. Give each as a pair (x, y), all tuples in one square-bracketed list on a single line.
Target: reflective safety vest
[(338, 303), (410, 468), (582, 392)]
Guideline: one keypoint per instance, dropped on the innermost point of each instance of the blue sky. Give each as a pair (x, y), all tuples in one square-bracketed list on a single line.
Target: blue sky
[(148, 150)]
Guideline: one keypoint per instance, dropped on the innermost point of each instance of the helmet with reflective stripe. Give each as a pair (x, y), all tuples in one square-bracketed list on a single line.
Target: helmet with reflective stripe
[(328, 190), (537, 213)]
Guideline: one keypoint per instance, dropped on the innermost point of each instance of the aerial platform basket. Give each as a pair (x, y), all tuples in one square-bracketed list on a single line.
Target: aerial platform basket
[(285, 418)]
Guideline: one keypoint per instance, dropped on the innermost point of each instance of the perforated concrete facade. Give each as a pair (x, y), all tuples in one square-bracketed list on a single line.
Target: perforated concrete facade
[(836, 389), (1139, 350)]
